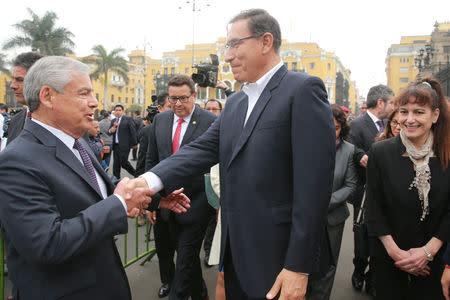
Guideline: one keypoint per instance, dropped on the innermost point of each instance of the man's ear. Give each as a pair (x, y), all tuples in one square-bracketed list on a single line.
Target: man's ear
[(46, 96), (267, 40)]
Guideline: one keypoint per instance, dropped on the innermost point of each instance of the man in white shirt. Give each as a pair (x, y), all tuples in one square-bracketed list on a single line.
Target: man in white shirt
[(275, 141)]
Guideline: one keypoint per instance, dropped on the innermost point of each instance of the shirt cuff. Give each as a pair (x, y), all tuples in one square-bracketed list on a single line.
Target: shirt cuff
[(123, 201), (153, 181)]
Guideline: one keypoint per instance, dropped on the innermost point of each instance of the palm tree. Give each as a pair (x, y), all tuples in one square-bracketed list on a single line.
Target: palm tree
[(107, 62), (41, 35), (3, 67)]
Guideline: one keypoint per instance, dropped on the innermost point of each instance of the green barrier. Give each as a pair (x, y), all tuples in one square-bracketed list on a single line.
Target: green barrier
[(148, 253)]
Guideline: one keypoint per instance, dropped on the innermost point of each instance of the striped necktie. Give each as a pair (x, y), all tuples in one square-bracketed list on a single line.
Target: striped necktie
[(87, 162)]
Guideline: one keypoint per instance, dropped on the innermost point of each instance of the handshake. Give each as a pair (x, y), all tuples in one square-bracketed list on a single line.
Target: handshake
[(137, 196)]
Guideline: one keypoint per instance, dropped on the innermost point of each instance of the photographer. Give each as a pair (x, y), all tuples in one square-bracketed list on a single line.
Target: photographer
[(163, 104), (223, 86)]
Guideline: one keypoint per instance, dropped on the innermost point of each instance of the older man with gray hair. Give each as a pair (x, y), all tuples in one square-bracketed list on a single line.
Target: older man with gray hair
[(58, 219)]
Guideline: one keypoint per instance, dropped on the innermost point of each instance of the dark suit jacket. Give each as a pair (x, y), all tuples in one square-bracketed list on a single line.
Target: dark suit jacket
[(16, 125), (58, 230), (126, 132), (143, 145), (276, 175), (160, 148), (393, 208), (362, 135)]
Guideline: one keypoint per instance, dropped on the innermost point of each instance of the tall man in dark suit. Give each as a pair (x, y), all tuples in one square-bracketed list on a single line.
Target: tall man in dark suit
[(171, 130), (363, 131), (21, 64), (57, 217), (138, 123), (275, 141), (123, 131)]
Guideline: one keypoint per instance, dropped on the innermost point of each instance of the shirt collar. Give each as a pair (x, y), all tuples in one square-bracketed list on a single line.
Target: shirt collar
[(373, 117), (186, 119), (61, 135), (260, 84)]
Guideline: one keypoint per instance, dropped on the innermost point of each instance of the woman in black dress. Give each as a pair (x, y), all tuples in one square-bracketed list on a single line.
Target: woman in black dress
[(408, 205)]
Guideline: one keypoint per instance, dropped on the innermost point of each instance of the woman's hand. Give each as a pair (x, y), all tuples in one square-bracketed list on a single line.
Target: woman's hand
[(416, 264)]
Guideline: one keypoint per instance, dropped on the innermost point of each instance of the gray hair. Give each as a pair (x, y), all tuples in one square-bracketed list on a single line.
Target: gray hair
[(53, 71), (260, 22), (380, 91)]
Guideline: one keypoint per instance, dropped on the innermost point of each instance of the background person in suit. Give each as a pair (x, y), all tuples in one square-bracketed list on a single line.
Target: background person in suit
[(138, 123), (344, 185), (123, 130), (58, 220), (363, 131), (104, 124), (170, 131), (275, 141), (21, 65)]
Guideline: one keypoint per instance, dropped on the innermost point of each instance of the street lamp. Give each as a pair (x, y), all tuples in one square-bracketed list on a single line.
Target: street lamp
[(194, 9), (422, 61)]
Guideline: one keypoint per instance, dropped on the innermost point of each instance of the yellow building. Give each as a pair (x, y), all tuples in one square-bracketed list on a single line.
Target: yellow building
[(4, 80), (400, 68), (148, 76)]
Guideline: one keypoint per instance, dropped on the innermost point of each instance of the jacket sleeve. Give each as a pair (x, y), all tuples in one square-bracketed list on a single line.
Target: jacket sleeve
[(133, 135), (377, 223), (345, 192), (313, 162)]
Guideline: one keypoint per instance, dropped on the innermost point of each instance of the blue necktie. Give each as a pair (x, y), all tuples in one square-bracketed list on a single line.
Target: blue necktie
[(380, 124), (87, 162)]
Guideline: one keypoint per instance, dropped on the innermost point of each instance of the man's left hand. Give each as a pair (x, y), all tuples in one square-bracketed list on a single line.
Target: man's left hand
[(134, 147), (292, 285)]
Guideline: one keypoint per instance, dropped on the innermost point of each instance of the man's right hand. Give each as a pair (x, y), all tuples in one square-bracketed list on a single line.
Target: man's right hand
[(112, 129), (135, 197)]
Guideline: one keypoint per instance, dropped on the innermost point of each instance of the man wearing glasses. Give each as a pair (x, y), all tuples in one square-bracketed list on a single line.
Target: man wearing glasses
[(275, 142), (172, 130)]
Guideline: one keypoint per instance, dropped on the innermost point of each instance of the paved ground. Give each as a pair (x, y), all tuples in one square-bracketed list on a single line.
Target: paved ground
[(145, 282)]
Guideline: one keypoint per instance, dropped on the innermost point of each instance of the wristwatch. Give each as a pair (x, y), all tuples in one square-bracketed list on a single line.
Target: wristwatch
[(430, 257)]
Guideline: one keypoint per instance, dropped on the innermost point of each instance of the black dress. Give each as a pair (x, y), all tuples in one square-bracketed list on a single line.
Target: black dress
[(394, 209)]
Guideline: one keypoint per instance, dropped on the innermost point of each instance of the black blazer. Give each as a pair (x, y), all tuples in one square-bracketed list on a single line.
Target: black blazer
[(160, 148), (58, 230), (276, 175), (392, 208), (126, 132), (16, 125)]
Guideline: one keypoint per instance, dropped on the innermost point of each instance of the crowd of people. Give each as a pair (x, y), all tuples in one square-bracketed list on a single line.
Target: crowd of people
[(281, 166)]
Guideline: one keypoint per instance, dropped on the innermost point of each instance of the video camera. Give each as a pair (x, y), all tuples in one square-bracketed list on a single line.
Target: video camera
[(152, 110), (206, 74)]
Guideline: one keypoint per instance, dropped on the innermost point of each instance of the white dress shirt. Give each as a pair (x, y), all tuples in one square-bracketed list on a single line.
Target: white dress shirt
[(184, 126), (69, 142), (375, 120)]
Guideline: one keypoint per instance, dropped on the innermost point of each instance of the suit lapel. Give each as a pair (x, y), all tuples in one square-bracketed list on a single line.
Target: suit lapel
[(191, 127), (261, 103), (370, 124), (165, 130)]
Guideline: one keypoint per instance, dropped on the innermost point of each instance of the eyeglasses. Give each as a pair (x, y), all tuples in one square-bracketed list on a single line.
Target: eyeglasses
[(235, 42), (183, 99), (213, 109), (394, 123)]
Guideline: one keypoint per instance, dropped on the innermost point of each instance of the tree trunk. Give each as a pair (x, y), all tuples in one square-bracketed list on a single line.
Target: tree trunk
[(105, 93)]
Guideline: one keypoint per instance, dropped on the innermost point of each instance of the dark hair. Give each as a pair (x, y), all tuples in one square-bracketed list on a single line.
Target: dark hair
[(119, 105), (214, 100), (4, 106), (26, 60), (434, 98), (387, 133), (260, 22), (161, 99), (340, 117), (137, 112), (180, 80), (380, 91)]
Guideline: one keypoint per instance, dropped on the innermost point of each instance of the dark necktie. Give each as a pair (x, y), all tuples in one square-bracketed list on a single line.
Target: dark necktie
[(380, 124), (87, 162), (176, 136)]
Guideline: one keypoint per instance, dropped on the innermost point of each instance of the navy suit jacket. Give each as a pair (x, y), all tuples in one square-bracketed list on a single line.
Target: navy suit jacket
[(160, 148), (58, 230), (16, 125), (276, 176), (126, 132)]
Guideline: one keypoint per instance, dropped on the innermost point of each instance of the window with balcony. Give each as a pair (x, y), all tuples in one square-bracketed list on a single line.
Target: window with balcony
[(153, 71), (294, 66), (126, 99), (329, 66), (186, 71), (165, 71), (404, 70), (404, 80), (172, 71), (311, 66), (112, 98)]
